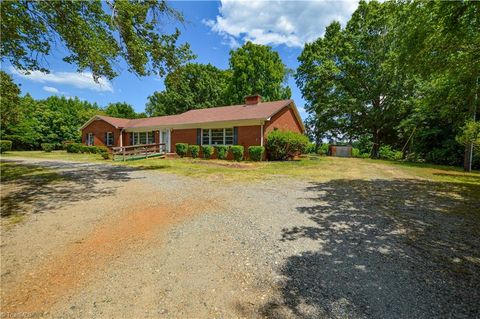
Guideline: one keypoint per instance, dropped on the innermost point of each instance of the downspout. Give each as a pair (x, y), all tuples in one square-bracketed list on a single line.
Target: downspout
[(121, 137), (261, 135)]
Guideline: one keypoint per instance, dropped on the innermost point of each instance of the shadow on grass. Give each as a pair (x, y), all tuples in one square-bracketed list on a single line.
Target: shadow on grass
[(52, 185), (387, 249)]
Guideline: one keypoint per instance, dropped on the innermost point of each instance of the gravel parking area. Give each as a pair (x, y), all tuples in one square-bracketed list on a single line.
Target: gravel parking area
[(116, 242)]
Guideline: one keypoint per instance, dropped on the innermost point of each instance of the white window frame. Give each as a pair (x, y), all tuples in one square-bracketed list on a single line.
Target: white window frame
[(90, 139), (110, 134), (210, 135), (136, 137)]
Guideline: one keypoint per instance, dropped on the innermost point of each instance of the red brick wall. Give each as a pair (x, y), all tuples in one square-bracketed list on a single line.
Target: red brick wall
[(285, 120), (98, 128), (188, 136)]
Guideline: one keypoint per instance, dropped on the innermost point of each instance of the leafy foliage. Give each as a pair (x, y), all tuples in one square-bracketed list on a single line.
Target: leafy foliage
[(74, 148), (5, 146), (255, 153), (256, 69), (193, 150), (48, 147), (122, 110), (403, 74), (53, 120), (95, 35), (207, 151), (190, 87), (237, 152), (470, 135), (9, 101), (181, 149), (285, 145), (386, 152), (222, 151)]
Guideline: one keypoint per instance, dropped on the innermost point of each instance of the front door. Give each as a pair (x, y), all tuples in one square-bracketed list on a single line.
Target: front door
[(165, 139)]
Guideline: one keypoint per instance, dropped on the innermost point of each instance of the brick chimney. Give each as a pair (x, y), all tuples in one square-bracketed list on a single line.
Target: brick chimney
[(253, 99)]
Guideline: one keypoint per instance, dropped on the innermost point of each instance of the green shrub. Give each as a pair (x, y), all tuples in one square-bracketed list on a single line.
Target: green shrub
[(386, 152), (181, 149), (256, 153), (355, 152), (310, 149), (105, 155), (47, 147), (66, 143), (207, 151), (194, 150), (74, 148), (102, 149), (365, 155), (222, 151), (323, 150), (237, 152), (5, 146), (284, 145)]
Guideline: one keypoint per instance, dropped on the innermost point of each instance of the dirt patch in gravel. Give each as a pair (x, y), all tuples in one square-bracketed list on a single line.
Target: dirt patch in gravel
[(80, 261)]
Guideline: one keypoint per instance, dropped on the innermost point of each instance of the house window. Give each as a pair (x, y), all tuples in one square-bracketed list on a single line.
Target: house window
[(143, 138), (217, 136), (109, 138), (89, 139)]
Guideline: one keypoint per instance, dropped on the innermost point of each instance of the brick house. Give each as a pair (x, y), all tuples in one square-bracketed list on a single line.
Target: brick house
[(246, 124)]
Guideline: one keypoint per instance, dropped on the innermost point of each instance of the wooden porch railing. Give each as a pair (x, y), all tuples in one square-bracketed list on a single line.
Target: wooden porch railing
[(138, 151)]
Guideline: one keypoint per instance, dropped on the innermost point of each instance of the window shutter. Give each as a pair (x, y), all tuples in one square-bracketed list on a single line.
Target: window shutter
[(235, 135), (131, 138), (199, 136), (106, 138)]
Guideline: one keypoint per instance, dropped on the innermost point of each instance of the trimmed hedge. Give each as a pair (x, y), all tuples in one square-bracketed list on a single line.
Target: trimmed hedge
[(181, 149), (256, 152), (222, 151), (207, 151), (80, 148), (194, 150), (102, 149), (73, 147), (5, 146), (285, 145), (237, 152), (47, 147)]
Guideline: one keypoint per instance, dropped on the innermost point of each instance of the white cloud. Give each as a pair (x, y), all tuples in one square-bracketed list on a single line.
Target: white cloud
[(83, 80), (51, 89), (291, 23)]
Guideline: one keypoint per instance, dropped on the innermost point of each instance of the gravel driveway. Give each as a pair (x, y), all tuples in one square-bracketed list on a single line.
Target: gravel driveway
[(114, 242)]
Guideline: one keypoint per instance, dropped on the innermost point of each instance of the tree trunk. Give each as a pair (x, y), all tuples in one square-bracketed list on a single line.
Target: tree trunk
[(466, 160), (376, 144)]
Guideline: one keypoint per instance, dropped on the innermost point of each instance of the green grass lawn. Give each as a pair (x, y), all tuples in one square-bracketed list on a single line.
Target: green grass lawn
[(314, 168)]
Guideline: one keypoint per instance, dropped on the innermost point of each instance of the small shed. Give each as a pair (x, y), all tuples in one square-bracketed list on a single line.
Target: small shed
[(340, 150)]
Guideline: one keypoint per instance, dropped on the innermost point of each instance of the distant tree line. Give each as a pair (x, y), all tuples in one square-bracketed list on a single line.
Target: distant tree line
[(28, 122), (400, 73)]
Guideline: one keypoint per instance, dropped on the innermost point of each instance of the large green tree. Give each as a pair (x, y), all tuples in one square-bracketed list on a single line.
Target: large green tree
[(122, 110), (9, 101), (190, 87), (257, 69), (350, 80), (440, 45), (96, 35)]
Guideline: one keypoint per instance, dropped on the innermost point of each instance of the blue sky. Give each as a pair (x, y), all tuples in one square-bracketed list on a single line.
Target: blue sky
[(212, 28)]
